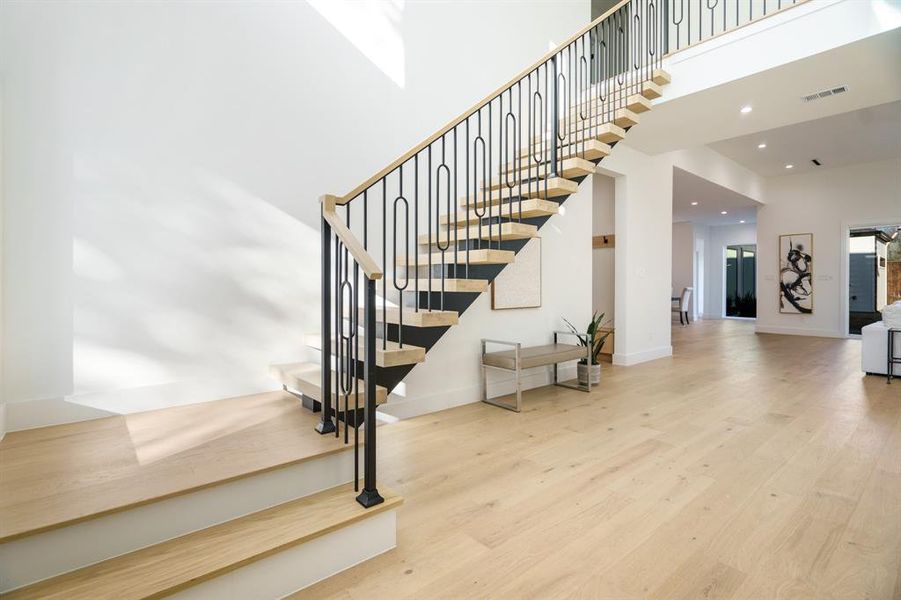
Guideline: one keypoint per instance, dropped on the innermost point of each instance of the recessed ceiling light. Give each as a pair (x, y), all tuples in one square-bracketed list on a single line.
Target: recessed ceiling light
[(789, 166), (761, 146), (723, 212), (694, 203), (746, 109), (742, 221)]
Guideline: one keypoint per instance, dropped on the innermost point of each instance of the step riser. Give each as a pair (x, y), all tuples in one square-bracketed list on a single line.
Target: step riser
[(37, 557), (301, 566)]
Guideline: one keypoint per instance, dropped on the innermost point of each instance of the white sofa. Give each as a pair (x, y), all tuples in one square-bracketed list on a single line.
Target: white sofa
[(875, 344)]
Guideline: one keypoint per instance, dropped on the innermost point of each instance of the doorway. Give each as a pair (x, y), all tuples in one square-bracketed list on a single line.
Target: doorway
[(741, 281), (874, 274)]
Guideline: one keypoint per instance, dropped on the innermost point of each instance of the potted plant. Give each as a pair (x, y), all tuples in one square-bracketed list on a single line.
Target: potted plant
[(596, 338)]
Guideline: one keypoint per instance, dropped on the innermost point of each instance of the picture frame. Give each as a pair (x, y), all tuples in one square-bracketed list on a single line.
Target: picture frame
[(519, 284), (796, 289)]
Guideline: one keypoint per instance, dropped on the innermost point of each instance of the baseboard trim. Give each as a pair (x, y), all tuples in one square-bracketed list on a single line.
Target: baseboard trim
[(634, 358), (825, 333)]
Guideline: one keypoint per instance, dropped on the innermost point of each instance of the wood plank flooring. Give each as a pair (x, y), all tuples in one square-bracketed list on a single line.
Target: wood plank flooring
[(745, 467)]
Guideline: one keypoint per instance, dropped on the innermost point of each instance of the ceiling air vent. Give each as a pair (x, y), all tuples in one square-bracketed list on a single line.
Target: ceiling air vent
[(825, 93)]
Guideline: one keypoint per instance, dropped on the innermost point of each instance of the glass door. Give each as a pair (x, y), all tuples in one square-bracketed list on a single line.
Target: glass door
[(741, 281)]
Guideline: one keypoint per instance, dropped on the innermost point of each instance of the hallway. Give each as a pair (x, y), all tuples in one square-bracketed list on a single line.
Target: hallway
[(746, 466)]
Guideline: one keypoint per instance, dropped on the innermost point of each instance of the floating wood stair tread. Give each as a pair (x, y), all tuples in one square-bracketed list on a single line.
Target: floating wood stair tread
[(306, 378), (179, 563), (661, 77), (453, 285), (651, 90), (590, 149), (508, 230), (625, 118), (123, 464), (387, 353), (482, 256), (552, 187), (605, 132), (638, 103), (420, 318), (531, 208), (572, 167)]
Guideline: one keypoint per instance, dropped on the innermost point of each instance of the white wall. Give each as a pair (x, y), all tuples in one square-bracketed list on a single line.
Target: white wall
[(826, 203), (683, 271), (716, 241), (603, 260), (163, 162), (644, 215)]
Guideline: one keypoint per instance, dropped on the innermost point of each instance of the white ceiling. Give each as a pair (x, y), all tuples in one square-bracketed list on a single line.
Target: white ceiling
[(871, 68), (859, 136), (712, 199)]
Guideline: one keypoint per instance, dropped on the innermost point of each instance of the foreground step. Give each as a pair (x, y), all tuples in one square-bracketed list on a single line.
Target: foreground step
[(527, 209), (509, 230), (387, 353), (306, 378), (481, 256), (144, 478), (203, 557)]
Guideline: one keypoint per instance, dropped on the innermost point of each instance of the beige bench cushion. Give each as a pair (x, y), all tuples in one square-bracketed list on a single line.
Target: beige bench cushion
[(535, 356)]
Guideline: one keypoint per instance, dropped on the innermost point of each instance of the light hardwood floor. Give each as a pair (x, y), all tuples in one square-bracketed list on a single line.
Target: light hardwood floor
[(745, 467)]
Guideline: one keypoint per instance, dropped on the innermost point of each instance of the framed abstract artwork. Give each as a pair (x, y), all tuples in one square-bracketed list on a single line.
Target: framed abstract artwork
[(796, 273), (519, 284)]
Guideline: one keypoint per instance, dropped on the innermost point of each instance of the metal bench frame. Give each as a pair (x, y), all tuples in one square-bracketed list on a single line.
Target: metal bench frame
[(517, 370)]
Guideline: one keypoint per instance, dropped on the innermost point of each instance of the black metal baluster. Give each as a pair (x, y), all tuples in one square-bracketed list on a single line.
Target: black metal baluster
[(370, 495)]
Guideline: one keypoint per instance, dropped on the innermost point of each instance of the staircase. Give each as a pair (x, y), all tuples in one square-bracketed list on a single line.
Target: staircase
[(406, 252)]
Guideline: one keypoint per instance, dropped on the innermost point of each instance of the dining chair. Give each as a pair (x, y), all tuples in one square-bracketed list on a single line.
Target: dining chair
[(682, 307)]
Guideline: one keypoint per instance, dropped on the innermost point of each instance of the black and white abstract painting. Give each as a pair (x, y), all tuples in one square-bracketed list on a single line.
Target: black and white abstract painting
[(796, 273)]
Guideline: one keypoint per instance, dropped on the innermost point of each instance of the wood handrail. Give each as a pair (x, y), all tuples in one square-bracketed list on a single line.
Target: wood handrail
[(350, 241), (453, 123)]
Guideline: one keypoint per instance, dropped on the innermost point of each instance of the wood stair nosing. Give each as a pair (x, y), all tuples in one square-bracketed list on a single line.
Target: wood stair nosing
[(509, 230), (387, 352), (622, 117), (414, 318), (481, 256), (531, 209), (607, 133), (451, 285), (572, 167), (552, 187), (305, 377), (179, 563), (589, 149)]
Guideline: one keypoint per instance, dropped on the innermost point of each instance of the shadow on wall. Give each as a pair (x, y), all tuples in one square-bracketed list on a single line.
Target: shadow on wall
[(195, 279)]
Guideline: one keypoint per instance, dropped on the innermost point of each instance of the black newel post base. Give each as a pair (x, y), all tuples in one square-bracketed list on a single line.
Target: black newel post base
[(369, 498), (325, 426)]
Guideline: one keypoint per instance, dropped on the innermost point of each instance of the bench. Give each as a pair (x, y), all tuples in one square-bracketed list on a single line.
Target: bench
[(520, 358)]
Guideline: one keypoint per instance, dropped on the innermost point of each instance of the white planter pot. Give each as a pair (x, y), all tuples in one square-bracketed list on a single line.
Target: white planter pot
[(582, 372)]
